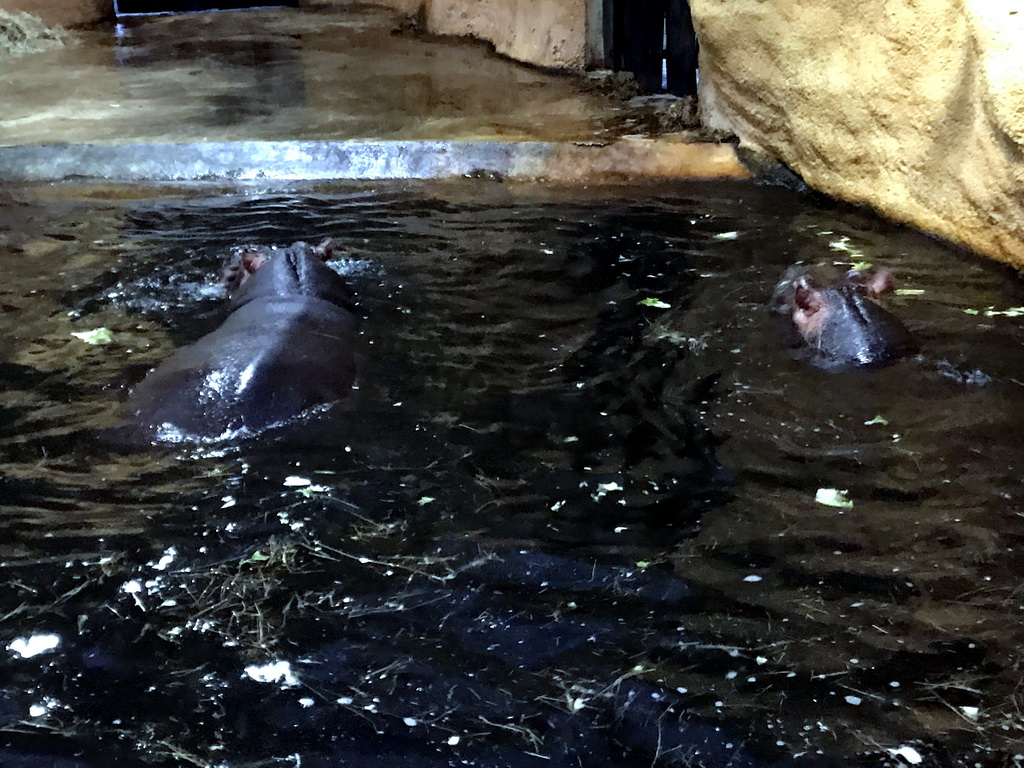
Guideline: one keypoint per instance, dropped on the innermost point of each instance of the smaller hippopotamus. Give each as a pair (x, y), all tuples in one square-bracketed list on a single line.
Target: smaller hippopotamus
[(839, 323), (287, 346)]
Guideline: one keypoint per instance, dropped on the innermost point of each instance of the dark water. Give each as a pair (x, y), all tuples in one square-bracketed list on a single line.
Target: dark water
[(558, 527)]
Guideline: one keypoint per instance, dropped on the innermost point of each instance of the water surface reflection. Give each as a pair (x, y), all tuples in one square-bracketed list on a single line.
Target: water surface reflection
[(572, 520)]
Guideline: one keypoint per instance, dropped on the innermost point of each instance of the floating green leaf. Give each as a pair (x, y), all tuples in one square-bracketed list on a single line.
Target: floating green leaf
[(909, 291), (97, 336), (843, 245), (656, 303), (424, 500), (879, 419)]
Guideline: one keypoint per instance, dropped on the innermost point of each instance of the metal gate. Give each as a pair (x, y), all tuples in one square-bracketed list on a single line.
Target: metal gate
[(655, 40), (140, 7)]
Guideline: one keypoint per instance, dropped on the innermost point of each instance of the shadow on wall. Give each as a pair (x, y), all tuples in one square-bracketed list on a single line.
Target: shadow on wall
[(656, 42)]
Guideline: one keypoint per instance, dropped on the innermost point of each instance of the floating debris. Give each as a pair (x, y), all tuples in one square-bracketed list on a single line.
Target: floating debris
[(843, 245), (993, 312), (656, 303), (274, 672), (833, 497), (97, 336), (909, 754), (33, 645)]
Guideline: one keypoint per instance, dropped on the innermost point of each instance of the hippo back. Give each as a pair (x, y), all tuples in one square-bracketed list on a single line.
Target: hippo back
[(287, 346), (859, 332)]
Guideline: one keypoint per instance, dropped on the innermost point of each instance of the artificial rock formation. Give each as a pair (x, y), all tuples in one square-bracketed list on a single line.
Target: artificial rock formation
[(548, 33), (914, 107)]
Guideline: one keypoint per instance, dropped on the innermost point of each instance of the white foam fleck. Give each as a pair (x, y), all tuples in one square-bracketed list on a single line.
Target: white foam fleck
[(273, 672), (33, 645)]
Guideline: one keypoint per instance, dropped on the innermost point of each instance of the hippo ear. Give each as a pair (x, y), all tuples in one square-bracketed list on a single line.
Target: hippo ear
[(325, 250), (231, 277), (878, 281), (806, 295), (252, 260), (234, 274)]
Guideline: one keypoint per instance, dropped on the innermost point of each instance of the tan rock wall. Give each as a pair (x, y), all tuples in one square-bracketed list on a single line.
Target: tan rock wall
[(64, 13), (915, 107), (548, 33)]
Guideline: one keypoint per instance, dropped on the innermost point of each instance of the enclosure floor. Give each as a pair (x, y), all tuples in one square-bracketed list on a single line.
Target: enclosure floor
[(325, 76)]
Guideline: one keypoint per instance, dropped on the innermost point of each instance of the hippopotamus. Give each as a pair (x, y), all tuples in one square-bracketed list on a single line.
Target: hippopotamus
[(287, 346), (838, 322)]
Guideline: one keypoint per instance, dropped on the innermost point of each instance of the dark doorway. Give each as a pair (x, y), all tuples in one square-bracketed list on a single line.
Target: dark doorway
[(137, 7), (655, 40)]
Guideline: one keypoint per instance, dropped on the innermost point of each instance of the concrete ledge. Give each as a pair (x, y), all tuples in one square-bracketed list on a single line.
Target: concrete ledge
[(628, 159)]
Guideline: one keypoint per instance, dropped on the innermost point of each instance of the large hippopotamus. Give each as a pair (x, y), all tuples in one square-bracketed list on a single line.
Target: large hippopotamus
[(837, 322), (287, 346)]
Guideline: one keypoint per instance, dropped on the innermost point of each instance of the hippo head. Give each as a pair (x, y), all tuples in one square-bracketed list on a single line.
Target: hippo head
[(262, 273), (838, 322)]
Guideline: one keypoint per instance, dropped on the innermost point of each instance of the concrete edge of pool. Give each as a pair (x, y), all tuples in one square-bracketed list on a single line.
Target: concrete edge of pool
[(627, 159)]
